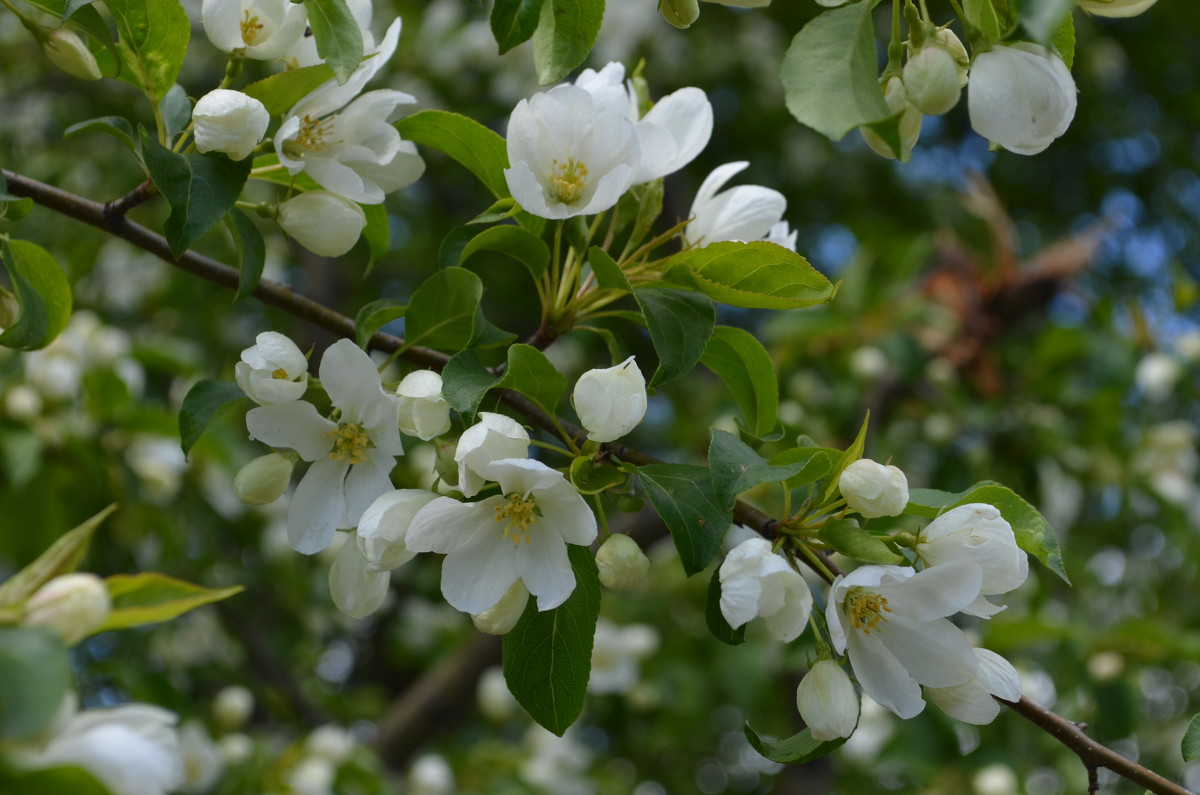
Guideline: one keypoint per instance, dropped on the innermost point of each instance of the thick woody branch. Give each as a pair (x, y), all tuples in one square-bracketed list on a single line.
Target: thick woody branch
[(426, 704)]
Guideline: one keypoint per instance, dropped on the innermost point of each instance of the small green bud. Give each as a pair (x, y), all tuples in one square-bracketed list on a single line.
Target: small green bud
[(680, 13), (68, 52), (10, 308), (263, 480), (622, 563)]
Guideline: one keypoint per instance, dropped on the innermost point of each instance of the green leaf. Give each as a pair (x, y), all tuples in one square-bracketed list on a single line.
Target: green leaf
[(830, 75), (203, 403), (531, 373), (818, 462), (736, 468), (374, 316), (378, 234), (548, 654), (852, 454), (992, 17), (1063, 40), (680, 324), (478, 149), (746, 369), (176, 110), (300, 182), (280, 93), (688, 503), (43, 292), (757, 275), (1033, 534), (115, 126), (565, 34), (339, 40), (608, 274), (465, 380), (150, 597), (888, 131), (444, 313), (795, 750), (589, 478), (513, 21), (500, 210), (847, 537), (62, 557), (34, 676), (1043, 17), (1190, 747), (71, 6), (50, 781), (199, 188), (252, 253), (152, 37), (512, 241), (715, 619)]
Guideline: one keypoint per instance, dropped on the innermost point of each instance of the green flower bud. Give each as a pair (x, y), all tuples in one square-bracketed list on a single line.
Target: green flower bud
[(10, 308), (622, 563), (264, 479), (68, 52), (73, 605), (680, 13), (910, 123), (931, 80)]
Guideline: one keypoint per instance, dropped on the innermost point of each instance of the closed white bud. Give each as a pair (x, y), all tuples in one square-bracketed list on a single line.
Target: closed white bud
[(272, 370), (263, 480), (322, 222), (424, 412), (1021, 97), (230, 122), (612, 401), (896, 98), (383, 525), (501, 617), (68, 52), (827, 701), (950, 42), (493, 438), (622, 563), (680, 13), (873, 490), (1115, 8), (232, 707), (931, 80), (73, 605)]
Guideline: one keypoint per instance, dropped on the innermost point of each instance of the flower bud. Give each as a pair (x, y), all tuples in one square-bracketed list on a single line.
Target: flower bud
[(230, 122), (383, 525), (895, 97), (10, 308), (873, 490), (68, 52), (263, 480), (272, 370), (73, 605), (611, 401), (494, 437), (1115, 8), (931, 81), (322, 222), (950, 42), (622, 563), (1022, 96), (680, 13), (232, 707), (424, 412), (827, 701), (501, 617)]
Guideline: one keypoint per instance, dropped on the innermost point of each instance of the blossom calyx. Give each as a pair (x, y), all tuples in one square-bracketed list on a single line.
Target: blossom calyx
[(230, 122), (322, 222), (622, 563), (874, 490), (611, 401), (827, 701), (263, 480), (73, 605), (68, 52)]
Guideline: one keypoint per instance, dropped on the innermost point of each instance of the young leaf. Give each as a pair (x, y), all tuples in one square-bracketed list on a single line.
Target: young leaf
[(1190, 746), (339, 40), (847, 537), (548, 655), (852, 454), (152, 39), (280, 92), (203, 403), (43, 292), (512, 241), (252, 253), (795, 750), (757, 275), (992, 17), (531, 373), (176, 111), (565, 34), (150, 597), (378, 234), (115, 126), (62, 557), (736, 468), (690, 507), (680, 324), (478, 149), (375, 316), (608, 274), (34, 675), (830, 75), (745, 367), (513, 21), (465, 380), (715, 619), (817, 463), (445, 314)]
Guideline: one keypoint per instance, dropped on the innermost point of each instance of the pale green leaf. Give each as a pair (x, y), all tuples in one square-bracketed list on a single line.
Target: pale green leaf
[(757, 275), (42, 290), (339, 40), (151, 597), (152, 37), (279, 93), (34, 676), (62, 557), (565, 34), (745, 367)]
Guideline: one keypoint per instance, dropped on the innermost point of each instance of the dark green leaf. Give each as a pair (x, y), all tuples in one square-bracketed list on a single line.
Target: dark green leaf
[(795, 750), (685, 498), (512, 241), (43, 292), (378, 234), (176, 110), (465, 380), (736, 468), (717, 624), (548, 655), (62, 557), (680, 324), (252, 253), (115, 126), (481, 151), (445, 314), (513, 21), (746, 369), (1190, 747), (203, 403), (757, 275), (847, 537), (279, 93), (374, 316), (34, 676), (608, 274), (150, 597), (152, 38), (451, 248), (531, 373), (339, 40), (50, 781), (565, 34)]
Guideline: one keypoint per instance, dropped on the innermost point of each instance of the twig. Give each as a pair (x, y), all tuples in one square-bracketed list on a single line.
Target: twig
[(139, 195)]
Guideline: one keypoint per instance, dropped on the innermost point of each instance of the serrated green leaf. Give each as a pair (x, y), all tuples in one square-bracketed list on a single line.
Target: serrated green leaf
[(374, 316), (201, 189), (339, 40), (252, 252), (565, 34), (152, 37), (444, 313), (1043, 17), (736, 468), (746, 369), (1190, 746), (279, 93), (34, 676), (690, 507), (608, 274), (795, 750), (512, 241), (513, 21), (680, 324), (847, 537), (531, 373), (478, 149), (758, 275), (43, 292), (830, 75), (201, 405), (377, 233), (62, 557), (715, 619), (465, 380), (548, 655), (151, 597), (115, 126)]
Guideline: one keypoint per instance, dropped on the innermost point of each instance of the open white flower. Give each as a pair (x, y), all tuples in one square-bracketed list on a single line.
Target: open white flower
[(757, 582), (352, 457), (874, 490), (264, 29), (272, 370), (827, 701), (976, 533), (230, 122), (424, 412), (520, 534), (972, 702), (1021, 96), (1115, 8), (571, 152), (611, 401), (743, 213), (494, 437), (892, 622)]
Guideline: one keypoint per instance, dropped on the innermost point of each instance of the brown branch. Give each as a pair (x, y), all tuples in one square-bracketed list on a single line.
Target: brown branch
[(425, 704), (139, 195)]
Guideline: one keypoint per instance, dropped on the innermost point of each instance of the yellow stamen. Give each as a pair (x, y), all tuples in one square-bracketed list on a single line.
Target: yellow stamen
[(567, 180), (281, 374), (865, 610), (311, 137), (251, 27), (518, 514), (350, 441)]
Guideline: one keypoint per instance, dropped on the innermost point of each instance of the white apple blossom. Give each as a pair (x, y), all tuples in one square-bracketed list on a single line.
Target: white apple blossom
[(892, 622), (782, 235), (1156, 375), (73, 605), (356, 589), (571, 152), (742, 213), (1021, 96), (352, 457), (827, 701), (430, 774), (232, 707), (272, 370), (230, 122), (323, 222), (610, 401), (200, 757), (424, 412), (874, 490), (520, 534), (263, 29), (978, 534), (972, 702), (383, 526), (1115, 8), (757, 582), (616, 654), (494, 437)]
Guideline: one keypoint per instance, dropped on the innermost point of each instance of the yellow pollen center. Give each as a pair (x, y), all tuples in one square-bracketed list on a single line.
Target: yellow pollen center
[(567, 180), (311, 137), (518, 514), (251, 27), (350, 441), (281, 374), (866, 610)]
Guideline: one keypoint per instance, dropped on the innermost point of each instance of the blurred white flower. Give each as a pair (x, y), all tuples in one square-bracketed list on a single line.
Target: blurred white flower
[(312, 775), (158, 463), (757, 582), (873, 489), (232, 707), (827, 701), (430, 774), (1021, 96), (330, 742), (263, 29), (1156, 375), (742, 213), (495, 700), (1115, 8), (492, 438), (610, 401), (616, 653), (272, 370), (230, 122), (556, 765), (201, 758), (976, 533), (73, 605), (424, 412), (321, 221)]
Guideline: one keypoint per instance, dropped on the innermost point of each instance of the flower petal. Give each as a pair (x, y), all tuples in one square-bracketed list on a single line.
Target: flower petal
[(356, 590), (475, 576), (296, 425), (317, 506), (545, 568), (445, 524), (882, 676), (365, 482), (935, 653)]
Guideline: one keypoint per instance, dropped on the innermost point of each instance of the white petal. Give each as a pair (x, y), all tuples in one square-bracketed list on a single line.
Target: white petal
[(715, 181), (686, 116), (789, 622), (882, 676), (933, 593), (384, 525), (935, 653), (296, 425), (446, 524), (545, 568), (968, 702), (356, 590), (317, 506), (565, 510), (475, 576), (998, 676), (365, 482)]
